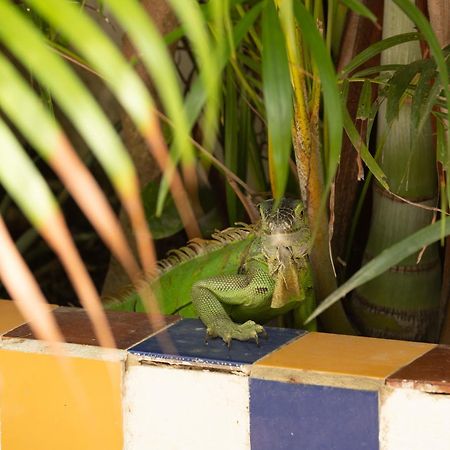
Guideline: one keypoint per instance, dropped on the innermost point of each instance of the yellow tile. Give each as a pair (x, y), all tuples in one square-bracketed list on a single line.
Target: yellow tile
[(338, 360), (10, 316), (46, 405)]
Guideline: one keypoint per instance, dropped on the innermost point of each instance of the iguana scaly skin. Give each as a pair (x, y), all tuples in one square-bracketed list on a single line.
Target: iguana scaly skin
[(244, 274), (268, 277)]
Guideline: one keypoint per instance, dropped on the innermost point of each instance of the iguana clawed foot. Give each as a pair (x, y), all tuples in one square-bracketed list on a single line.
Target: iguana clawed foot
[(228, 330)]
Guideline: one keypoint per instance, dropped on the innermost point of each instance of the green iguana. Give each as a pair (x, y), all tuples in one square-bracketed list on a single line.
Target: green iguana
[(243, 274)]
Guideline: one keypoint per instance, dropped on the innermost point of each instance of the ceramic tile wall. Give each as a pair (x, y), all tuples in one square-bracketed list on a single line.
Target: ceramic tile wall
[(414, 420), (415, 403), (127, 327), (201, 391), (173, 408), (164, 388), (299, 416), (185, 344), (323, 389), (70, 402), (50, 402), (10, 317), (337, 360)]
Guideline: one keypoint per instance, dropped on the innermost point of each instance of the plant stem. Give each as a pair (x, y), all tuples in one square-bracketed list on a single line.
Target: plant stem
[(306, 142)]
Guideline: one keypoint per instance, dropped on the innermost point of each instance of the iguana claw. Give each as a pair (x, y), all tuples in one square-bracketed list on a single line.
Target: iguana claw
[(229, 330), (264, 334)]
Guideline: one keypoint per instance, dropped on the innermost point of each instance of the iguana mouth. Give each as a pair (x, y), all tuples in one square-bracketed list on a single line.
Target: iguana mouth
[(287, 239)]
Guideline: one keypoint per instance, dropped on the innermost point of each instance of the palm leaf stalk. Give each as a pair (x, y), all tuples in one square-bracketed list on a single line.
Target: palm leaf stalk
[(403, 302), (23, 287), (51, 72), (53, 145), (122, 80), (307, 150), (32, 194)]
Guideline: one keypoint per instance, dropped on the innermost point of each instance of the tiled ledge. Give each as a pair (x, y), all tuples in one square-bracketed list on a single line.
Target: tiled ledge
[(166, 389)]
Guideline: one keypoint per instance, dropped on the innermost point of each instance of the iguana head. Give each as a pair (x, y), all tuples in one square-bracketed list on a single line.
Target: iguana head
[(285, 242), (285, 218)]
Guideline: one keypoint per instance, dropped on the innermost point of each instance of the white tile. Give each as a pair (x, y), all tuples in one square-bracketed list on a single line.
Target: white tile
[(414, 420), (171, 409)]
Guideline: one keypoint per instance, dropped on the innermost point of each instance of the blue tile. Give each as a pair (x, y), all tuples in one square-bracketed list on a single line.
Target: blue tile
[(187, 339), (288, 416)]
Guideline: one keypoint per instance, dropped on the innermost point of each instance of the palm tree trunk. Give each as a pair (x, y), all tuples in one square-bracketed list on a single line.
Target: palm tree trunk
[(402, 303)]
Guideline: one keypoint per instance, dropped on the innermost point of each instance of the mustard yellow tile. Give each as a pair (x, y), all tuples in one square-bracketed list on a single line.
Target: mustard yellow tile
[(338, 360), (10, 317), (50, 403)]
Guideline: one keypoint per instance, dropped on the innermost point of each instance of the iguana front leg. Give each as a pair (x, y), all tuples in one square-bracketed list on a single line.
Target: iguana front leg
[(250, 289)]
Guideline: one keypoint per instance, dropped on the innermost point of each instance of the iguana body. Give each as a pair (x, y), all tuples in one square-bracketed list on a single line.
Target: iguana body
[(246, 274)]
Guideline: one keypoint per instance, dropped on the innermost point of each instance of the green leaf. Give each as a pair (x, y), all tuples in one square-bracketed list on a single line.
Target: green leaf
[(365, 101), (375, 70), (360, 9), (331, 96), (425, 28), (176, 34), (38, 125), (189, 13), (197, 95), (153, 51), (386, 259), (231, 150), (76, 101), (277, 98), (371, 122), (423, 100), (442, 154), (398, 85), (26, 110), (358, 143), (166, 225), (70, 93), (104, 57), (377, 48), (23, 181)]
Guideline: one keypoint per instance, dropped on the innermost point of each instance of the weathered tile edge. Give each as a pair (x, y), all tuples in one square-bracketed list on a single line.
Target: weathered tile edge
[(21, 345), (299, 376)]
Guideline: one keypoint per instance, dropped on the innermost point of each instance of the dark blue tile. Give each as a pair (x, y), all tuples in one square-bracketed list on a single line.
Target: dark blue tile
[(187, 339), (288, 416)]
